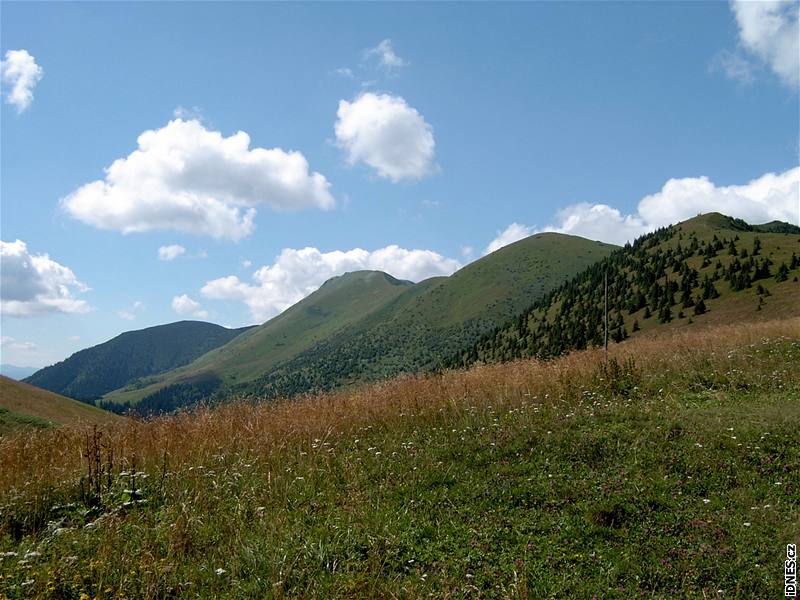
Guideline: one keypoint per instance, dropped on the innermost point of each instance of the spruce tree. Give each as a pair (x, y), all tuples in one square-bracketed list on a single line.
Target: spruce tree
[(783, 273), (700, 307)]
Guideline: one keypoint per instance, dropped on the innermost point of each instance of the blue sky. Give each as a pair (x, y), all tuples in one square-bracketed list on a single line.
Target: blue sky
[(438, 131)]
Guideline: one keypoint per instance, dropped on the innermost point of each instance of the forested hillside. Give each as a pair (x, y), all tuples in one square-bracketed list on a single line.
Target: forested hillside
[(709, 270), (92, 372)]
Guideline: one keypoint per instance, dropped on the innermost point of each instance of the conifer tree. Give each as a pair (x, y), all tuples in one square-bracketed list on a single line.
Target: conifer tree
[(700, 307)]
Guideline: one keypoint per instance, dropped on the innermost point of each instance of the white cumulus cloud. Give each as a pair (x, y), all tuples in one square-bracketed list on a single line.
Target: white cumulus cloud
[(769, 30), (600, 222), (771, 197), (386, 56), (387, 134), (20, 72), (186, 178), (171, 252), (512, 233), (298, 272), (34, 284), (184, 305)]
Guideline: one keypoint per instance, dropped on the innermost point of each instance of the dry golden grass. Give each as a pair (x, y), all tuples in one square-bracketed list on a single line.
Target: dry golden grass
[(34, 460)]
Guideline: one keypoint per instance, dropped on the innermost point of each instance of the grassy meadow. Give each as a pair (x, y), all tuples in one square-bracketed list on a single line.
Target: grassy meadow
[(670, 471)]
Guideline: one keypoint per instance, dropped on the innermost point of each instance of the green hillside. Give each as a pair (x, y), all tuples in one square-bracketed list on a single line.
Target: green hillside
[(23, 405), (368, 325), (92, 372), (708, 270), (418, 334), (340, 301)]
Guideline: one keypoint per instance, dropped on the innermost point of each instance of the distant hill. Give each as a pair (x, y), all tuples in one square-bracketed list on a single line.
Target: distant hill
[(130, 356), (23, 405), (367, 325), (15, 372), (709, 270)]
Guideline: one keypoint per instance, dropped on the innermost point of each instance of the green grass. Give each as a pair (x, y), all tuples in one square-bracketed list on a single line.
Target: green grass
[(618, 482), (12, 421)]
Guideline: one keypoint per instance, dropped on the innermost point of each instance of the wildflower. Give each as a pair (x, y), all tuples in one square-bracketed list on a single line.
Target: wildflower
[(220, 572), (747, 524), (706, 500)]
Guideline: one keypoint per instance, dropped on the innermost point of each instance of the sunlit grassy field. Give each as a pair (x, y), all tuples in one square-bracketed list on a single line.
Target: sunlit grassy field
[(670, 471)]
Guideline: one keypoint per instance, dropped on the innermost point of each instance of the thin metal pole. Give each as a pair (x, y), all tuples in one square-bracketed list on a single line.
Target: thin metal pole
[(605, 314)]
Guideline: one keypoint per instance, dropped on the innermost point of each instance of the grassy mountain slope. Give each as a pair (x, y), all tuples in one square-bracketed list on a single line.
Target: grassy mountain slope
[(672, 472), (354, 330), (23, 405), (420, 333), (95, 371), (339, 302), (708, 270)]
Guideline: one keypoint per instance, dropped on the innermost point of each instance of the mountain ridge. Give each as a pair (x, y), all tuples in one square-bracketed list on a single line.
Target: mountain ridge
[(401, 331), (94, 371)]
